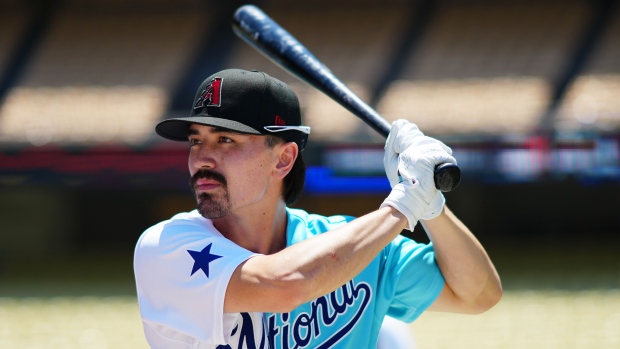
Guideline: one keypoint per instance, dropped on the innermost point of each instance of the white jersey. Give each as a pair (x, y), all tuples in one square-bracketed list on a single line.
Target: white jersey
[(182, 268)]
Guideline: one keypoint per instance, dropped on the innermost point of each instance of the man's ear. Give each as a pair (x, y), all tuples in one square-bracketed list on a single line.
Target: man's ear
[(287, 155)]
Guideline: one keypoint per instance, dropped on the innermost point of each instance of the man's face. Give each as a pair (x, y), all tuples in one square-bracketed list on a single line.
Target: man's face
[(229, 170), (211, 204)]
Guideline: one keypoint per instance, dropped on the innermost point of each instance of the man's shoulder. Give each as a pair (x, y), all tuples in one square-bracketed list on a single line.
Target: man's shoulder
[(178, 227), (184, 217), (183, 220)]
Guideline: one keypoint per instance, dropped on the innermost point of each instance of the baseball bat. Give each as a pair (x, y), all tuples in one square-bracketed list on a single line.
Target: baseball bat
[(265, 35)]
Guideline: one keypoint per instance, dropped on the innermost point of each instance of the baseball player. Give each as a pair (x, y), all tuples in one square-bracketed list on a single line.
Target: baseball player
[(243, 270)]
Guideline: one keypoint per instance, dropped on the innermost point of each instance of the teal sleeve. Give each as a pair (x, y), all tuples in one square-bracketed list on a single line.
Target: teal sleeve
[(405, 277), (410, 279)]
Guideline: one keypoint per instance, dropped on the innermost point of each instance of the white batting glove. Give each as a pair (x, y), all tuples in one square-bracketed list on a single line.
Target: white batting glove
[(413, 155), (405, 198)]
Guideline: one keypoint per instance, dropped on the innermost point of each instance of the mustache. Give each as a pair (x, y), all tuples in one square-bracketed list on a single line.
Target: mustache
[(206, 174)]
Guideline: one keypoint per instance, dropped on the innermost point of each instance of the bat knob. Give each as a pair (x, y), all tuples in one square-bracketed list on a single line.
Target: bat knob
[(447, 177)]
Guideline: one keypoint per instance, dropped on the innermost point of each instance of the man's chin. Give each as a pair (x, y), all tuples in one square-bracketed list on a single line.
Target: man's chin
[(212, 210), (212, 214)]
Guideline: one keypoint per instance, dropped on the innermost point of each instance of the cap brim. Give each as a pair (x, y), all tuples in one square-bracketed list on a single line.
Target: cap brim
[(176, 129)]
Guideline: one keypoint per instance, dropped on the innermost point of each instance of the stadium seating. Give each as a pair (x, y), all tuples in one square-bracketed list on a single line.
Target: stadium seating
[(12, 25), (100, 76), (485, 67), (593, 100), (356, 45), (106, 70)]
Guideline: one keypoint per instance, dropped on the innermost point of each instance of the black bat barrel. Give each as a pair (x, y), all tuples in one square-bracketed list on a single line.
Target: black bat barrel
[(260, 31), (256, 28)]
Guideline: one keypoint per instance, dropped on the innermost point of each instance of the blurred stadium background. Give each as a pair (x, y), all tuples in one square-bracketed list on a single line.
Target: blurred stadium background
[(527, 94)]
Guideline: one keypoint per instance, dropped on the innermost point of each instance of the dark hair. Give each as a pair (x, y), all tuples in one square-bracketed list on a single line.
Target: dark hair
[(295, 179)]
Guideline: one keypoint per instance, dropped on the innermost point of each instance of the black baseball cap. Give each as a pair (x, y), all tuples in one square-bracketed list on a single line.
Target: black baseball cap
[(243, 101)]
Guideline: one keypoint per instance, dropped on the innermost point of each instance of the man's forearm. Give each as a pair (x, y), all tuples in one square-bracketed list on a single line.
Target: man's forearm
[(345, 252), (313, 267), (465, 265)]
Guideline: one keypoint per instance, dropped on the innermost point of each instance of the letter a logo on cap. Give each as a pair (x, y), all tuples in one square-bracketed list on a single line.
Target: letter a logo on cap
[(280, 121), (211, 95)]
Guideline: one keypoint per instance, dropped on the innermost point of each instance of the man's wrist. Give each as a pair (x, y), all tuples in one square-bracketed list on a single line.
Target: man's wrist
[(441, 213), (399, 216)]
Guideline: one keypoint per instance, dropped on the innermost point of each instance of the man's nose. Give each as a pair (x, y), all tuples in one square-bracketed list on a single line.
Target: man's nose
[(205, 158)]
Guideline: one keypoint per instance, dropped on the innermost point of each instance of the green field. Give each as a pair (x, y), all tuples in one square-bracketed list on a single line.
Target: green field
[(70, 322), (523, 319), (529, 319), (568, 298)]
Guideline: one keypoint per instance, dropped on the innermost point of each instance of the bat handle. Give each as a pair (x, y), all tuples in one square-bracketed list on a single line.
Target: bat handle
[(447, 176)]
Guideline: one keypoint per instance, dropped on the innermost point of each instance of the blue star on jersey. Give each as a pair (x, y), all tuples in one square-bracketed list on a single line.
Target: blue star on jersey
[(202, 259)]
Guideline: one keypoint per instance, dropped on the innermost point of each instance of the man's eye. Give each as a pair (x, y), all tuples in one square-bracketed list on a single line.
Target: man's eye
[(225, 140), (193, 141)]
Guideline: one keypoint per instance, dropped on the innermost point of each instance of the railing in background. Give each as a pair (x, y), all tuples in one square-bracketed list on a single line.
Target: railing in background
[(337, 169)]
